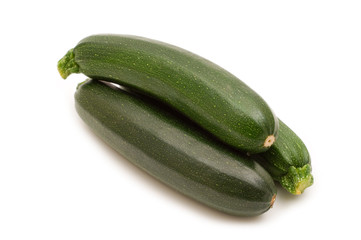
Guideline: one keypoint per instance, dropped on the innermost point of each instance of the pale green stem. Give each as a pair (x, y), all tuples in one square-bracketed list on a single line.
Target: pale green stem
[(67, 65)]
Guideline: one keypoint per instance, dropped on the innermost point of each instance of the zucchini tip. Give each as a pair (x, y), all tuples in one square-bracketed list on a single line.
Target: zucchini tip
[(269, 141), (67, 64)]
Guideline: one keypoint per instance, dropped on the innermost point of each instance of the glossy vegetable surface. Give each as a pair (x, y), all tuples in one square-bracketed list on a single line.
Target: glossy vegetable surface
[(201, 90), (174, 150), (288, 161)]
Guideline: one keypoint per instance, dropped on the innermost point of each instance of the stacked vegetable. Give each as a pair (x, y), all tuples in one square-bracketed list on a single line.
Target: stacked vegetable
[(187, 122)]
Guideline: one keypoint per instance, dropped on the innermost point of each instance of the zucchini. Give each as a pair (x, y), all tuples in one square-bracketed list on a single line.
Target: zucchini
[(199, 89), (288, 161), (174, 150)]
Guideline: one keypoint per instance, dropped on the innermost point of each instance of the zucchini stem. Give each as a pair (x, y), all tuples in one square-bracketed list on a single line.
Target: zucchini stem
[(297, 179), (67, 65)]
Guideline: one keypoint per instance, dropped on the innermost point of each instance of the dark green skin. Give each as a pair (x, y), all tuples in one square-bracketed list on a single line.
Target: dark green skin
[(288, 161), (199, 89), (174, 150)]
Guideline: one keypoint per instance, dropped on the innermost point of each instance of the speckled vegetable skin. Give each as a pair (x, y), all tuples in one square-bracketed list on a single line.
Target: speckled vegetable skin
[(288, 161), (199, 89), (173, 150)]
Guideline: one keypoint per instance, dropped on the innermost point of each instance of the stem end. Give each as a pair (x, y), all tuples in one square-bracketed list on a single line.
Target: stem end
[(297, 179), (67, 65)]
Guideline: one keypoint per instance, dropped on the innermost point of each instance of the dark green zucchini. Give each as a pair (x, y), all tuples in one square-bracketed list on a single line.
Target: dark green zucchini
[(288, 161), (172, 149), (199, 89)]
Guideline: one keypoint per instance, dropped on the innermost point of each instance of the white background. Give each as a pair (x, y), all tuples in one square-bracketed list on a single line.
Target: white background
[(59, 181)]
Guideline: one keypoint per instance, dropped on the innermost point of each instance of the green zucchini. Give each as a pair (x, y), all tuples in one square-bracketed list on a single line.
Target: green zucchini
[(288, 161), (199, 89), (174, 150)]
